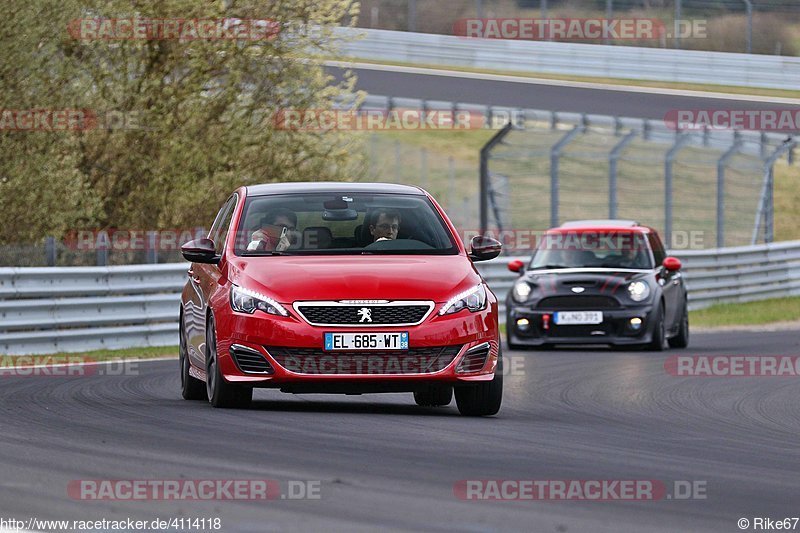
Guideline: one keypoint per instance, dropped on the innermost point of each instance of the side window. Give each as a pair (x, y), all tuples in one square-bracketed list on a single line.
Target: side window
[(658, 249), (219, 231)]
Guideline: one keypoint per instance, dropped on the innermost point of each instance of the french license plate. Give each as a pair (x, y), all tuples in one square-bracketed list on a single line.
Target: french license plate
[(566, 318), (366, 341)]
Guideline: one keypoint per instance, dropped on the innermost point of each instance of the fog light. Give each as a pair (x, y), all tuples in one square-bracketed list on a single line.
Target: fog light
[(523, 324), (636, 323)]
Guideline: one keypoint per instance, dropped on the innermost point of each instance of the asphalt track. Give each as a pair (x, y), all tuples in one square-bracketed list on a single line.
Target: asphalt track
[(385, 463), (547, 95)]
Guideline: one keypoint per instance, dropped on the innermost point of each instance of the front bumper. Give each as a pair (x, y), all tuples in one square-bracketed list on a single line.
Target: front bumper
[(615, 329), (283, 341)]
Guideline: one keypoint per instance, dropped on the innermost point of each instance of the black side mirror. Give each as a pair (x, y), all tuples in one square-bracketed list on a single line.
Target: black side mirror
[(484, 248), (200, 251)]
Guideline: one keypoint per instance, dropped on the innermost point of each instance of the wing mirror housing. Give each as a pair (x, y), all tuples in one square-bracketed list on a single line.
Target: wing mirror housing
[(484, 248), (672, 263), (200, 251)]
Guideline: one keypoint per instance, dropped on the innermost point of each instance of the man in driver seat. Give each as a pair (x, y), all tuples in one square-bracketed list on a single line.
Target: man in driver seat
[(384, 225)]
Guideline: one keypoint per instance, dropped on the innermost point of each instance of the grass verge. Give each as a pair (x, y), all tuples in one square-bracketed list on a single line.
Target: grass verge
[(92, 356), (748, 313)]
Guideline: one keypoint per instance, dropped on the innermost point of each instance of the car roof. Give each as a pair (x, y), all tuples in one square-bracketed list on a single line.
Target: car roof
[(331, 187), (602, 225)]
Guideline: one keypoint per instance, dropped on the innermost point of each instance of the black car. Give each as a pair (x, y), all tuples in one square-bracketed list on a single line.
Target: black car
[(598, 282)]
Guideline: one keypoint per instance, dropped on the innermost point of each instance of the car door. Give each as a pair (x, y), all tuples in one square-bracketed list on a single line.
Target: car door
[(670, 283), (204, 279)]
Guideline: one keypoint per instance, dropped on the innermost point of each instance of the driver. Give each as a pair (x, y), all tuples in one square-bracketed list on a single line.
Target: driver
[(384, 225), (274, 232)]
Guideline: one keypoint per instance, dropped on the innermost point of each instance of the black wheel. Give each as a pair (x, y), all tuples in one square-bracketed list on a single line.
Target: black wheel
[(681, 339), (659, 331), (220, 392), (191, 387), (434, 395), (482, 399)]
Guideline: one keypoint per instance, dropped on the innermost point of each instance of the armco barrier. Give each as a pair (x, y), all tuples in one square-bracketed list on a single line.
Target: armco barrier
[(47, 310), (623, 62)]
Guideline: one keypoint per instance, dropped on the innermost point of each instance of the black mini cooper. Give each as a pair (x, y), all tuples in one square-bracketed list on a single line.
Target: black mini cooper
[(598, 282)]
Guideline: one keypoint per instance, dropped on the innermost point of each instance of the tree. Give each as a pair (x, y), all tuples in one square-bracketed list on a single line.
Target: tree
[(172, 124)]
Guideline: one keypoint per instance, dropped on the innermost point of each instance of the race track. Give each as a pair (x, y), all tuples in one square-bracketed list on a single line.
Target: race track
[(385, 463), (547, 95)]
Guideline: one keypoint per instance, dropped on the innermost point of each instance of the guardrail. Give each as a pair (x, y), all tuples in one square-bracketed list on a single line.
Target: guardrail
[(48, 310), (624, 62)]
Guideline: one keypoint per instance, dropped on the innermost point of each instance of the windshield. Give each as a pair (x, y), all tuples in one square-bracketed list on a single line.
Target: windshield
[(592, 250), (342, 224)]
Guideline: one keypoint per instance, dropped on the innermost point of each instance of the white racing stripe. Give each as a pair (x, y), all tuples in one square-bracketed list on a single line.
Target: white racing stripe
[(563, 83)]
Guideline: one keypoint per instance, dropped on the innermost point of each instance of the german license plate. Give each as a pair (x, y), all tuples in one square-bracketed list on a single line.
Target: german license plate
[(366, 341), (566, 318)]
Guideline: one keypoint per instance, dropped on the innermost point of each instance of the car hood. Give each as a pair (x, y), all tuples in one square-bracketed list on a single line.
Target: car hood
[(362, 277), (592, 280)]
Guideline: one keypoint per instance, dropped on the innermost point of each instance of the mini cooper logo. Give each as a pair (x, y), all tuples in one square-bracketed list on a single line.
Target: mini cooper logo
[(365, 314), (578, 290)]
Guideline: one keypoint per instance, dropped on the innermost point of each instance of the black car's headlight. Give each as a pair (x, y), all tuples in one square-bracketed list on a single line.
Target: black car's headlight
[(521, 292), (473, 299), (247, 301), (638, 291)]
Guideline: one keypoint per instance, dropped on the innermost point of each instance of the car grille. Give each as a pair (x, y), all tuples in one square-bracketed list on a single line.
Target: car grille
[(475, 358), (380, 362), (578, 303), (590, 331), (250, 361), (349, 314)]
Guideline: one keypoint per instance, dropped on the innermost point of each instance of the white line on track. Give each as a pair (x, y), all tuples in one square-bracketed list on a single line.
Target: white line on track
[(80, 363), (563, 83)]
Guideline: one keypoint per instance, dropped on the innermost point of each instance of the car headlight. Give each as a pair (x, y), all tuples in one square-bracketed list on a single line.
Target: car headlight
[(247, 301), (638, 291), (474, 299), (521, 292)]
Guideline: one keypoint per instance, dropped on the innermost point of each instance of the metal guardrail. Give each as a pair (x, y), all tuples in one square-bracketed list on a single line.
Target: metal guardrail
[(624, 62), (48, 310)]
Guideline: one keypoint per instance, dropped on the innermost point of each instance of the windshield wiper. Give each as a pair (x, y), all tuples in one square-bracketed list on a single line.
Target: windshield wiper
[(265, 253), (548, 267)]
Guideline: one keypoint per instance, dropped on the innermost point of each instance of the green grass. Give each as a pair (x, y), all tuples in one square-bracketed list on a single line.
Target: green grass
[(93, 356), (749, 313)]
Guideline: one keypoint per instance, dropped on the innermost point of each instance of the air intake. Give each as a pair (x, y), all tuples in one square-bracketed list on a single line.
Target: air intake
[(250, 361)]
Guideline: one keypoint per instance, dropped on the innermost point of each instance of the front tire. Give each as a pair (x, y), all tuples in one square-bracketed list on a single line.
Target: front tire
[(681, 339), (434, 395), (191, 387), (220, 392), (659, 332), (482, 399)]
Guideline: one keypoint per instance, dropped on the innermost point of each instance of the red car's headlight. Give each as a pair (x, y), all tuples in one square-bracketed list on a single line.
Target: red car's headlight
[(247, 301), (473, 299)]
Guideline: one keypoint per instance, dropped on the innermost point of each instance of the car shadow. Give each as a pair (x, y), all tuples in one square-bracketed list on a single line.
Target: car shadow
[(364, 407)]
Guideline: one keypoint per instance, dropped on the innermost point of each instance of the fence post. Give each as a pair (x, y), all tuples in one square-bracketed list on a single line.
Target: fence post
[(412, 15), (749, 42), (102, 255), (451, 182), (424, 167), (721, 189), (555, 156), (668, 162), (677, 25), (765, 205), (397, 168), (613, 160), (609, 15), (479, 8), (50, 251), (486, 152), (152, 247)]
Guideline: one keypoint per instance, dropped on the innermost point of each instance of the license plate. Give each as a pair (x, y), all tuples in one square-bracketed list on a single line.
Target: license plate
[(566, 318), (366, 341)]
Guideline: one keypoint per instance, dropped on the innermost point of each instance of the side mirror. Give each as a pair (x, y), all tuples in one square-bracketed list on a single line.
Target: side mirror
[(516, 265), (672, 263), (200, 251), (484, 248)]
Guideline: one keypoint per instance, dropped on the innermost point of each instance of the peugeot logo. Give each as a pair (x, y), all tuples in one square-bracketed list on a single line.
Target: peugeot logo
[(578, 290), (365, 314)]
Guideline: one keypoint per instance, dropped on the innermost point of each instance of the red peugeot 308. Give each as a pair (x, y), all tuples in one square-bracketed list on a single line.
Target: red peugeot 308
[(339, 288)]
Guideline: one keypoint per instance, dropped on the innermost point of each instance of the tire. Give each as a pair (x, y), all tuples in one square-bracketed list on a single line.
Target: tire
[(191, 387), (220, 392), (482, 399), (657, 344), (434, 395), (681, 339)]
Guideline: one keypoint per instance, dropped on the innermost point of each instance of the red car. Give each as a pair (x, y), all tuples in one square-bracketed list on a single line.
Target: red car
[(339, 288)]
